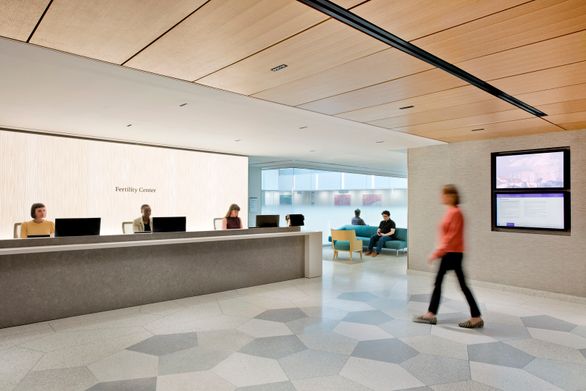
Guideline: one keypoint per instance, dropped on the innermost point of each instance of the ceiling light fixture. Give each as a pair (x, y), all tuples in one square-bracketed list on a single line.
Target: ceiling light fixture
[(380, 141), (406, 107), (183, 105), (343, 15), (129, 125), (477, 130), (312, 150), (279, 68), (238, 140), (303, 127)]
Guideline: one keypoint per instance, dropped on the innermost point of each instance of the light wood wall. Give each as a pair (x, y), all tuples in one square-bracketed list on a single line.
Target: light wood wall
[(78, 178)]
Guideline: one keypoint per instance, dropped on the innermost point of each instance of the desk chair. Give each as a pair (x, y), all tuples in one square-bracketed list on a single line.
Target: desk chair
[(16, 232), (127, 227)]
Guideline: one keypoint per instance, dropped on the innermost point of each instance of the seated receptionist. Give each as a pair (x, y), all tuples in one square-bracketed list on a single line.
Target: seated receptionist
[(38, 225), (232, 221), (145, 222)]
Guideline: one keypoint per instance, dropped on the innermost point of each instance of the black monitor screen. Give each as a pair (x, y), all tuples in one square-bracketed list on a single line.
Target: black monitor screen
[(536, 169), (532, 210), (77, 227), (169, 224), (266, 221), (295, 220)]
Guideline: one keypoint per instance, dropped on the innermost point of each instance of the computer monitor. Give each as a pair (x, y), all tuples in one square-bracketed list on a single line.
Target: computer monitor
[(267, 221), (77, 227), (295, 220), (169, 224), (37, 236)]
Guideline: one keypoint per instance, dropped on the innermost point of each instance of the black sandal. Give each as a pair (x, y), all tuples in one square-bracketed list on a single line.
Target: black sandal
[(469, 325)]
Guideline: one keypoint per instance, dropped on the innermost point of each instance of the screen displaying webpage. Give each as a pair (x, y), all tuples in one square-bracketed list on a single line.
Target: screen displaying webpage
[(533, 170), (530, 210)]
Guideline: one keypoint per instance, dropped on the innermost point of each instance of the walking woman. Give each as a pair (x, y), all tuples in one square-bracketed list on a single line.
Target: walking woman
[(450, 251)]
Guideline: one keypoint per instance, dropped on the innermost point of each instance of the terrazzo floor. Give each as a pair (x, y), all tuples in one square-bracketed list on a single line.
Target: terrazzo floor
[(349, 330)]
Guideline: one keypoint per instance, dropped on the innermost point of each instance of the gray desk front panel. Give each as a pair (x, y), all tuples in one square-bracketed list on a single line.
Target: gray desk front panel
[(44, 286)]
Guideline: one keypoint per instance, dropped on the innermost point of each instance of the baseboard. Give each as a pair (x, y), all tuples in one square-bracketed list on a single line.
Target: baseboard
[(514, 289)]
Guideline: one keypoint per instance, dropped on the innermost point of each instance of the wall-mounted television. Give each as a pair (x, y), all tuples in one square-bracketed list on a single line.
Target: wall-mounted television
[(531, 190)]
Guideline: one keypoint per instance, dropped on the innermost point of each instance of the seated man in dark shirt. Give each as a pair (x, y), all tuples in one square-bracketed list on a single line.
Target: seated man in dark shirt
[(384, 233), (357, 220)]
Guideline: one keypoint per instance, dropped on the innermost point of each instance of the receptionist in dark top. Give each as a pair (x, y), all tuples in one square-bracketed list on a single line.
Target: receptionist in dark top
[(384, 233), (231, 220), (145, 222)]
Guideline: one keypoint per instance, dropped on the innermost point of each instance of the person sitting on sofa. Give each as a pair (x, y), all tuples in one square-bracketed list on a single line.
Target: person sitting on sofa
[(384, 233), (357, 220)]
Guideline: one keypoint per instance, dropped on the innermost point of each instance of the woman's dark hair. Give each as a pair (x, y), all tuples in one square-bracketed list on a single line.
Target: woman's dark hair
[(231, 208), (34, 208), (451, 190)]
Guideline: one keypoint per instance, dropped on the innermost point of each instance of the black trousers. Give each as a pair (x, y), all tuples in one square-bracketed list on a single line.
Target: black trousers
[(452, 261)]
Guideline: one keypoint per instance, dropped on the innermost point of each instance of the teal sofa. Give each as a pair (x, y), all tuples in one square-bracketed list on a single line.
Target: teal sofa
[(364, 232)]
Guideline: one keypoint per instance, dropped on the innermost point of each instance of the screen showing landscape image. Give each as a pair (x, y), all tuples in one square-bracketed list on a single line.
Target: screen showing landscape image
[(533, 170)]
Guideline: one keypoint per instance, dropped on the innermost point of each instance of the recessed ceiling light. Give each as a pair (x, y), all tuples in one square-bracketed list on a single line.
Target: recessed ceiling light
[(129, 125), (183, 105), (279, 68), (312, 150), (303, 127), (477, 130), (406, 107), (380, 141), (238, 140)]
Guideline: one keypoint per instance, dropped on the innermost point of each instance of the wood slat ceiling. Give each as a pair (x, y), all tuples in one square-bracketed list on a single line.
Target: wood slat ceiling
[(110, 30), (18, 18), (225, 32), (534, 50)]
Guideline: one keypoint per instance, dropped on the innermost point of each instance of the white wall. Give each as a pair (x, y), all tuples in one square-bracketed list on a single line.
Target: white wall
[(553, 263), (78, 178)]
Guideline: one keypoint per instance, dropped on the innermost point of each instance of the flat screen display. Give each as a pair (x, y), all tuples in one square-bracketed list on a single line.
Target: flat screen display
[(530, 171), (77, 227), (531, 210)]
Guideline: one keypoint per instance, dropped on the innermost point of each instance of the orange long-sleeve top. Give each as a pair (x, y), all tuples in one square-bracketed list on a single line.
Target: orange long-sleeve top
[(451, 233)]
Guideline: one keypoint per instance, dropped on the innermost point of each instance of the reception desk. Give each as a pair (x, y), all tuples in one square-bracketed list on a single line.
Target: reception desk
[(44, 279)]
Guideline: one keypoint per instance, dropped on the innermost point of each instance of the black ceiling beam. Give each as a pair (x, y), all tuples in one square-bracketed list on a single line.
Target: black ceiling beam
[(343, 15)]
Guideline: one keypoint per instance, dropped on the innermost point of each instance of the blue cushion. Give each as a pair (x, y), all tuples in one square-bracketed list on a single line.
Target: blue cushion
[(342, 245), (364, 233)]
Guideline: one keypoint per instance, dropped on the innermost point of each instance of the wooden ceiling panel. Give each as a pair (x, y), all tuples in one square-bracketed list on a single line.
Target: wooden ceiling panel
[(384, 65), (422, 83), (540, 21), (223, 32), (492, 109), (471, 122), (435, 101), (109, 30), (555, 52), (18, 18), (417, 18), (523, 127), (312, 51), (570, 121), (556, 95), (542, 80)]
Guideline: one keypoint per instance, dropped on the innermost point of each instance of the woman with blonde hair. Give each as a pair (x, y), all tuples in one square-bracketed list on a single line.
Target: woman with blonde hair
[(231, 220), (451, 253)]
